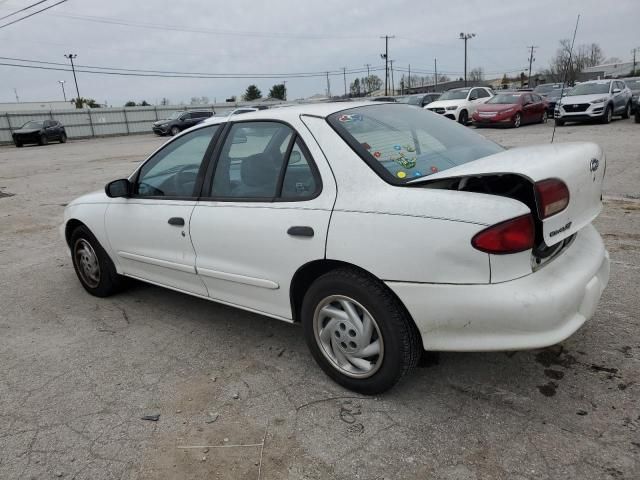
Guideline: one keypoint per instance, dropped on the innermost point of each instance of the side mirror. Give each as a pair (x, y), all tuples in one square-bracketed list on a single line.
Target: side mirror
[(473, 97), (118, 188), (616, 90)]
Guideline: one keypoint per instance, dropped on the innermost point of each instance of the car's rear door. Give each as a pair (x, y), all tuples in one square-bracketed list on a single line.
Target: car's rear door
[(149, 231), (269, 196)]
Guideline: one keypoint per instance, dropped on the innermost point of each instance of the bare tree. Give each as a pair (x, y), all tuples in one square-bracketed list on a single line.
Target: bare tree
[(476, 74)]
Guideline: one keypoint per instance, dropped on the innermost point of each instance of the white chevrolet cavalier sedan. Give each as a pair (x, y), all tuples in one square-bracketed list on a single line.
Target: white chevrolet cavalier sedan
[(383, 229)]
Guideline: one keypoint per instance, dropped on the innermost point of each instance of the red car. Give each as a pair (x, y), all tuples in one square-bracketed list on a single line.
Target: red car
[(512, 109)]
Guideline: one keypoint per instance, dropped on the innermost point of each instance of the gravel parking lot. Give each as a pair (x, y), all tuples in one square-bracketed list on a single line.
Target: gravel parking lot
[(238, 394)]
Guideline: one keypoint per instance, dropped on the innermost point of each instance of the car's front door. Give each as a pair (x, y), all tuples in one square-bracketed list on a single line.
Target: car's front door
[(149, 231), (529, 109), (269, 200)]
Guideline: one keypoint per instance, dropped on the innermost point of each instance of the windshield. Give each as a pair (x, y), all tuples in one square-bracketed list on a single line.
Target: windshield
[(589, 89), (455, 94), (403, 144), (543, 89), (506, 98), (174, 115), (555, 93), (32, 125), (633, 84), (403, 99)]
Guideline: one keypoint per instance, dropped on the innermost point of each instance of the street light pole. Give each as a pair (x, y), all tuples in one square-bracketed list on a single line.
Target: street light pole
[(435, 69), (64, 95), (466, 37), (71, 56), (385, 55)]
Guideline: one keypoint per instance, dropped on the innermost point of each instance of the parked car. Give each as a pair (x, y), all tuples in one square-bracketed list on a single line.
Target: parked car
[(424, 99), (634, 86), (383, 99), (179, 121), (511, 109), (545, 88), (447, 241), (241, 110), (594, 100), (460, 103), (552, 98), (637, 114), (39, 132)]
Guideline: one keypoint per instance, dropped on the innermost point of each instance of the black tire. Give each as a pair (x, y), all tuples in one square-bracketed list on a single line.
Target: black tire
[(608, 113), (174, 131), (627, 111), (401, 341), (517, 120), (463, 118), (637, 116), (63, 138), (109, 282), (43, 140), (559, 122), (18, 144)]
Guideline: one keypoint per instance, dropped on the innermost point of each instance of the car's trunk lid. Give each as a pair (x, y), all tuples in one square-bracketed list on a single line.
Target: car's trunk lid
[(581, 166)]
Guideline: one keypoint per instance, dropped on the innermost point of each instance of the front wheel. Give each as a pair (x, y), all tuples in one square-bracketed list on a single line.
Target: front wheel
[(174, 131), (92, 264), (517, 120), (608, 114), (43, 140), (63, 138), (18, 144), (463, 118), (627, 111), (559, 122), (358, 331)]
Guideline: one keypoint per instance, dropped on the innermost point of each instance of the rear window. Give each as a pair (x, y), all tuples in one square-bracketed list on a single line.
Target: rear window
[(403, 144)]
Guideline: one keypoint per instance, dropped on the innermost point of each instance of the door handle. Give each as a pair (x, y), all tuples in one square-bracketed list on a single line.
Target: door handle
[(300, 231), (176, 221)]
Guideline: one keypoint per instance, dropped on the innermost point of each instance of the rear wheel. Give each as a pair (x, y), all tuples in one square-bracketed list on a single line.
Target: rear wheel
[(608, 114), (63, 138), (517, 120), (627, 111), (463, 118), (94, 268), (174, 131), (358, 331), (43, 140)]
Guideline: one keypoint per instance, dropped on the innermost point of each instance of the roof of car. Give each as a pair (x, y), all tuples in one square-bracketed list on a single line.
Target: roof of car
[(314, 109)]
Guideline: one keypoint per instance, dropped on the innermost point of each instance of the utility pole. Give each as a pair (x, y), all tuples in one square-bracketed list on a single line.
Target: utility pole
[(435, 69), (409, 80), (466, 37), (531, 60), (15, 91), (64, 95), (385, 56), (634, 51), (367, 81), (344, 74), (284, 82), (328, 87), (393, 85), (71, 56)]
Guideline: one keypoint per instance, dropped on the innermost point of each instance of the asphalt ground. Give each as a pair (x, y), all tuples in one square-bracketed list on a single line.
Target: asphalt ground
[(238, 394)]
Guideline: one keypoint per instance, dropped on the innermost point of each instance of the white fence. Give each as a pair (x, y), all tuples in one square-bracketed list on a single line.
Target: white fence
[(98, 122)]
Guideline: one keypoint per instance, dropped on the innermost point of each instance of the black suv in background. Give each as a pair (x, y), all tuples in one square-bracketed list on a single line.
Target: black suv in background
[(39, 132), (178, 121)]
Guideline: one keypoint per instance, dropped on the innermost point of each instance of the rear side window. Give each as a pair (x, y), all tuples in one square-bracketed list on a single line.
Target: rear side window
[(403, 144)]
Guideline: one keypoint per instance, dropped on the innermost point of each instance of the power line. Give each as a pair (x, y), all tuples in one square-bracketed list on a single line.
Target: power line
[(174, 75), (23, 9), (32, 14), (179, 28)]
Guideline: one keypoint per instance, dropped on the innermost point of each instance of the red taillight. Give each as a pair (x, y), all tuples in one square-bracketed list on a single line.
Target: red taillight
[(513, 236), (552, 197)]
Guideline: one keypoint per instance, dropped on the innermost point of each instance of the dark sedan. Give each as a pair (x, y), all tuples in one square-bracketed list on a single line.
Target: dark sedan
[(552, 98), (39, 132)]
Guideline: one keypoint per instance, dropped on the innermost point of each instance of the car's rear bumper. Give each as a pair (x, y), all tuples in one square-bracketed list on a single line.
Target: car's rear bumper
[(533, 311)]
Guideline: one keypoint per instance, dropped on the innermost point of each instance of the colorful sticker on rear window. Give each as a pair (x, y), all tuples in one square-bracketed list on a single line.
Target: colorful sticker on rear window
[(401, 174), (355, 117)]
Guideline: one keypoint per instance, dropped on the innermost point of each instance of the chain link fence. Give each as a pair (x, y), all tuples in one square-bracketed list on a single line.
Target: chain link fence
[(100, 122)]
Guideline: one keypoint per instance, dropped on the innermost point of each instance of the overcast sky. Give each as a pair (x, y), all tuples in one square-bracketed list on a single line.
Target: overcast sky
[(283, 36)]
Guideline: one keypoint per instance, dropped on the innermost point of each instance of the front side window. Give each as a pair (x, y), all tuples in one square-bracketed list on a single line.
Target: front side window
[(403, 144), (172, 172)]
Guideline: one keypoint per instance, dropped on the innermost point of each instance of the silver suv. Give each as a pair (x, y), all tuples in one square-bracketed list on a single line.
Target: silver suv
[(594, 100)]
